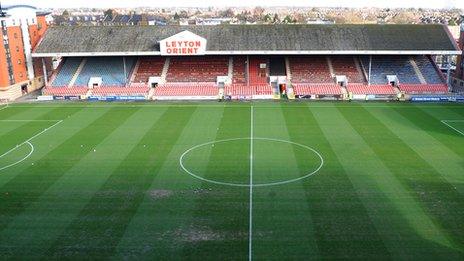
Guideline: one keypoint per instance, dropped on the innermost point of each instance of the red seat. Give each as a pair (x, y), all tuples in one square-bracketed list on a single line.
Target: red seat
[(370, 89), (317, 88), (424, 88)]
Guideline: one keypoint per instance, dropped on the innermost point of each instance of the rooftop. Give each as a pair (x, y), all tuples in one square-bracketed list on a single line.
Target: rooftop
[(253, 39)]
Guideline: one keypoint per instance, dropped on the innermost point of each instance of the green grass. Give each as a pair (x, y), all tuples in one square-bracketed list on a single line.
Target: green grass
[(106, 182)]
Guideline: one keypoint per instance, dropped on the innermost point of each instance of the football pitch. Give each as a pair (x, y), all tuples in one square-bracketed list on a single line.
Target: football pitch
[(261, 180)]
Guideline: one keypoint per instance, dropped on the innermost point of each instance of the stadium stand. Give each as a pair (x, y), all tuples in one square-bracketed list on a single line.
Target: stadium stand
[(149, 67), (308, 55), (391, 65), (110, 69), (313, 69), (428, 69), (357, 88), (67, 71), (346, 65), (197, 69)]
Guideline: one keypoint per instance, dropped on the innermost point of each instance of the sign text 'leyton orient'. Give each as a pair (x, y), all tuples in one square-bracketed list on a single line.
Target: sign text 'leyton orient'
[(183, 47), (183, 43)]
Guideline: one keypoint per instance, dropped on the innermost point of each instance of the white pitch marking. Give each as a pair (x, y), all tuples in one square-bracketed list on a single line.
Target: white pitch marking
[(277, 183), (447, 124), (21, 160), (27, 142), (3, 108), (250, 230), (29, 120)]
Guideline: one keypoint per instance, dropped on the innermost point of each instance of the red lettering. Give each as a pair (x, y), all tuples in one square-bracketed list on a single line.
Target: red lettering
[(198, 43)]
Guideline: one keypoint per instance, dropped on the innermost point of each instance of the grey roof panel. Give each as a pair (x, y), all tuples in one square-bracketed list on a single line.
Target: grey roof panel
[(251, 38)]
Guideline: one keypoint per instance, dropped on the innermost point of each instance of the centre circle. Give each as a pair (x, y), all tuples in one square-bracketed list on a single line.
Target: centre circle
[(273, 162)]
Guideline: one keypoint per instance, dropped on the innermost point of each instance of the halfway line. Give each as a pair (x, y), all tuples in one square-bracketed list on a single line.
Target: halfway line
[(250, 230)]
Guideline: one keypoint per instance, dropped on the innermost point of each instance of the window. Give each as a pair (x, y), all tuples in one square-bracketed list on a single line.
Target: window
[(15, 36), (17, 48), (19, 61)]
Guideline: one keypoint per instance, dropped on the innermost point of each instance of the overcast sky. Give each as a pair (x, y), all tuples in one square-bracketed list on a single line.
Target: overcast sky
[(221, 3)]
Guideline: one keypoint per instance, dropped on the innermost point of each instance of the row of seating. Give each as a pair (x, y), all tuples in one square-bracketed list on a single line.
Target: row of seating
[(243, 90), (346, 65), (65, 91), (317, 88), (197, 69), (424, 88), (239, 70), (68, 69), (384, 89), (110, 69), (310, 69), (186, 89), (149, 67), (131, 91), (382, 66), (428, 70)]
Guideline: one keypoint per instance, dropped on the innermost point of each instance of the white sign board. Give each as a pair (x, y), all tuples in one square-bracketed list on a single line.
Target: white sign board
[(182, 44)]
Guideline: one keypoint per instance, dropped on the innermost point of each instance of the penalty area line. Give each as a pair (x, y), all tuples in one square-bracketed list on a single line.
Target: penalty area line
[(450, 126), (28, 141)]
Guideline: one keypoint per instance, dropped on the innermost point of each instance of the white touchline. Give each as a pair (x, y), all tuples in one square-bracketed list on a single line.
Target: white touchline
[(449, 125), (29, 120), (250, 231)]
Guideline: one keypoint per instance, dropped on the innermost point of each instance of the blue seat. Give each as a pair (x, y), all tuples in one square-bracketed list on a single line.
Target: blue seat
[(390, 65), (428, 70), (110, 69), (67, 71)]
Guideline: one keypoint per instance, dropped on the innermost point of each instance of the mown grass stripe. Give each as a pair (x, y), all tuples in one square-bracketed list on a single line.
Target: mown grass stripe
[(60, 204), (222, 211), (435, 128), (101, 224), (423, 142), (341, 223), (26, 187), (279, 208), (427, 186), (154, 232), (390, 207)]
